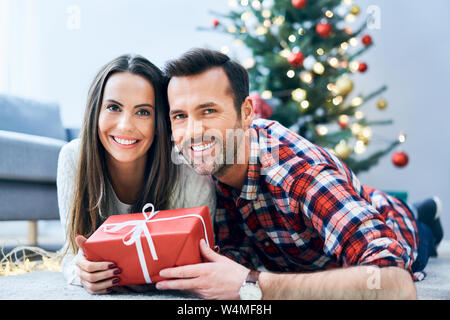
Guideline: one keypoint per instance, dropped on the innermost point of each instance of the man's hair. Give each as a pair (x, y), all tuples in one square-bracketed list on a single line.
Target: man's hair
[(198, 60)]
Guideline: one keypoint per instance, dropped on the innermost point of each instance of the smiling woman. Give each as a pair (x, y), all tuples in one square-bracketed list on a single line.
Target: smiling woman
[(122, 161)]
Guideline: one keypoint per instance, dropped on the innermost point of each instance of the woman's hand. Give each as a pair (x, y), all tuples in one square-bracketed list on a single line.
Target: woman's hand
[(96, 277)]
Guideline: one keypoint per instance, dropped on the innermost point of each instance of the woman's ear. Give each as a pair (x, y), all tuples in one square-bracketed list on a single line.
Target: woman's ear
[(247, 112)]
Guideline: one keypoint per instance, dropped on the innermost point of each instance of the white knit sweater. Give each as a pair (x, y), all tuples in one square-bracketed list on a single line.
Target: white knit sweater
[(191, 190)]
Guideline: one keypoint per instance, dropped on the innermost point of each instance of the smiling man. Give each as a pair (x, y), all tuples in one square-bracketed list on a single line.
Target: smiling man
[(284, 204)]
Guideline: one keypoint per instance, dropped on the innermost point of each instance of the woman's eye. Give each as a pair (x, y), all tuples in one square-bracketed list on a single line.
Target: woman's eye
[(143, 112), (178, 116), (113, 107)]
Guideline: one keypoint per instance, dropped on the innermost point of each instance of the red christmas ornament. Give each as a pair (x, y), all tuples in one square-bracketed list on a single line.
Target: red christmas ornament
[(299, 4), (324, 30), (261, 108), (215, 22), (362, 67), (400, 159), (366, 40), (295, 59)]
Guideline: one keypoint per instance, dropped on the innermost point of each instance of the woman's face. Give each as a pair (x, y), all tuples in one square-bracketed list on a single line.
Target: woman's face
[(126, 123)]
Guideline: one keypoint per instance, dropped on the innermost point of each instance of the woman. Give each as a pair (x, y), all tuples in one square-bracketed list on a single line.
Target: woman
[(122, 161)]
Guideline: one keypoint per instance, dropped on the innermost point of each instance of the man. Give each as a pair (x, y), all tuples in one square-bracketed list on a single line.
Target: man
[(283, 203)]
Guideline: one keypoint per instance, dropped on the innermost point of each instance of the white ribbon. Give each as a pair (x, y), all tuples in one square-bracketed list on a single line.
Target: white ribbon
[(140, 226)]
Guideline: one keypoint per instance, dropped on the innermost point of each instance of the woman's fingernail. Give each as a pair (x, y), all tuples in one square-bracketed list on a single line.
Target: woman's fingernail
[(116, 281), (117, 271), (112, 266)]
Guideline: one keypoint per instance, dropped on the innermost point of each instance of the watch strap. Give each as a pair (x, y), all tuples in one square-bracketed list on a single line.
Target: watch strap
[(253, 276)]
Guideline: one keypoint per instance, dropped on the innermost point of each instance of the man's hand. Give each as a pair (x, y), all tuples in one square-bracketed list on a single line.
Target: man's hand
[(219, 278), (96, 277)]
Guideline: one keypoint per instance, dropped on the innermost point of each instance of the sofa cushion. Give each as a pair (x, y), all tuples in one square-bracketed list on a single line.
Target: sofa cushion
[(31, 117), (25, 157)]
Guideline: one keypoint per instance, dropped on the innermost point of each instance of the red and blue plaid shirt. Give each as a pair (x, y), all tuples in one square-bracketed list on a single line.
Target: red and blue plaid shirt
[(301, 209)]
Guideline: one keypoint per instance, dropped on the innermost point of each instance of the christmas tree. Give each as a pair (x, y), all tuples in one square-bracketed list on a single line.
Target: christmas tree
[(301, 55)]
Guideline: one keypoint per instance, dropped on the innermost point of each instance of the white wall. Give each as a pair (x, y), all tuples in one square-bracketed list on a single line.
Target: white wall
[(47, 53)]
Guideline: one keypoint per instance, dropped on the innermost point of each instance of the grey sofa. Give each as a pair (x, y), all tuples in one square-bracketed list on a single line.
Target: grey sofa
[(31, 136)]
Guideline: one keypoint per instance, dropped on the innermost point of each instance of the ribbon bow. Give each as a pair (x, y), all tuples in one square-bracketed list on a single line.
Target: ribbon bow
[(134, 237)]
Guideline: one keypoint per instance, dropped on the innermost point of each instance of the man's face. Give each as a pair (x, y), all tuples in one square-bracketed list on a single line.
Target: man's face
[(205, 122)]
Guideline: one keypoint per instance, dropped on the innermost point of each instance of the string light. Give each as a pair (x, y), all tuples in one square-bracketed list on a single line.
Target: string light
[(266, 94), (401, 137), (318, 68), (298, 95), (360, 147), (306, 77), (333, 62), (304, 104), (321, 130), (292, 38), (356, 102), (290, 74)]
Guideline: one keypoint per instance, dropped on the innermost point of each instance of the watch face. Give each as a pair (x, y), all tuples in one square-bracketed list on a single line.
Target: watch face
[(250, 291)]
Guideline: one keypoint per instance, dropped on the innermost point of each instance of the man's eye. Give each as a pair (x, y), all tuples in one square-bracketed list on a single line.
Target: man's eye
[(143, 112), (208, 111), (113, 107)]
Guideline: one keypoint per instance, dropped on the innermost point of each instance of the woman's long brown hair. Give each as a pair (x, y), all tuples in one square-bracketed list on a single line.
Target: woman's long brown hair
[(89, 206)]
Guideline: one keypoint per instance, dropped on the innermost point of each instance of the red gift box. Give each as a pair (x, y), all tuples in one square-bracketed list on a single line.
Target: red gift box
[(142, 244)]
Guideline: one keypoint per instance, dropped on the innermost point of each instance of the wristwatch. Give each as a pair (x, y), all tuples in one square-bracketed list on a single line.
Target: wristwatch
[(250, 289)]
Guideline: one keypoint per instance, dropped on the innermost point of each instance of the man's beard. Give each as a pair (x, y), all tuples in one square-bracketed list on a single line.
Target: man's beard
[(225, 154)]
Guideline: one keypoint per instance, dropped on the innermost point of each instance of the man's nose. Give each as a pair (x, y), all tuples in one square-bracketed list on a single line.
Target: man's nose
[(194, 130)]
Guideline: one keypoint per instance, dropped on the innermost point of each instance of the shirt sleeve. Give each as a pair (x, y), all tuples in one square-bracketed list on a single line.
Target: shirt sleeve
[(354, 232)]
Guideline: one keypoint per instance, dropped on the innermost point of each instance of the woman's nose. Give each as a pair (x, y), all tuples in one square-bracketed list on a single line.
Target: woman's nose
[(125, 122)]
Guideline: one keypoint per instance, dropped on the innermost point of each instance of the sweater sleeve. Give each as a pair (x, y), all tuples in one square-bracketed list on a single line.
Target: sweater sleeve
[(194, 190), (65, 184)]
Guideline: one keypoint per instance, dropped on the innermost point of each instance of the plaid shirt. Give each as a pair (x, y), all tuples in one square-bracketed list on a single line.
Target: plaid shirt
[(307, 211)]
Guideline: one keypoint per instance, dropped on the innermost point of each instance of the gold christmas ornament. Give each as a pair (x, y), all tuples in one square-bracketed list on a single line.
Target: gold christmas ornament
[(342, 150), (344, 85), (382, 104), (355, 10)]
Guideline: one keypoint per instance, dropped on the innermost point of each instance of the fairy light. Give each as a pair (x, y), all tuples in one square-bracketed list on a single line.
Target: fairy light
[(321, 130), (356, 101), (244, 3), (350, 18), (360, 147), (261, 30), (298, 95), (249, 63), (292, 38), (246, 15), (300, 31), (306, 77), (344, 46), (285, 53), (224, 49), (290, 74), (329, 14), (356, 128), (279, 20), (256, 4), (353, 66), (320, 51), (353, 42), (318, 68), (401, 137), (337, 100), (267, 23), (333, 62), (266, 94), (304, 104), (359, 115), (231, 29), (266, 13)]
